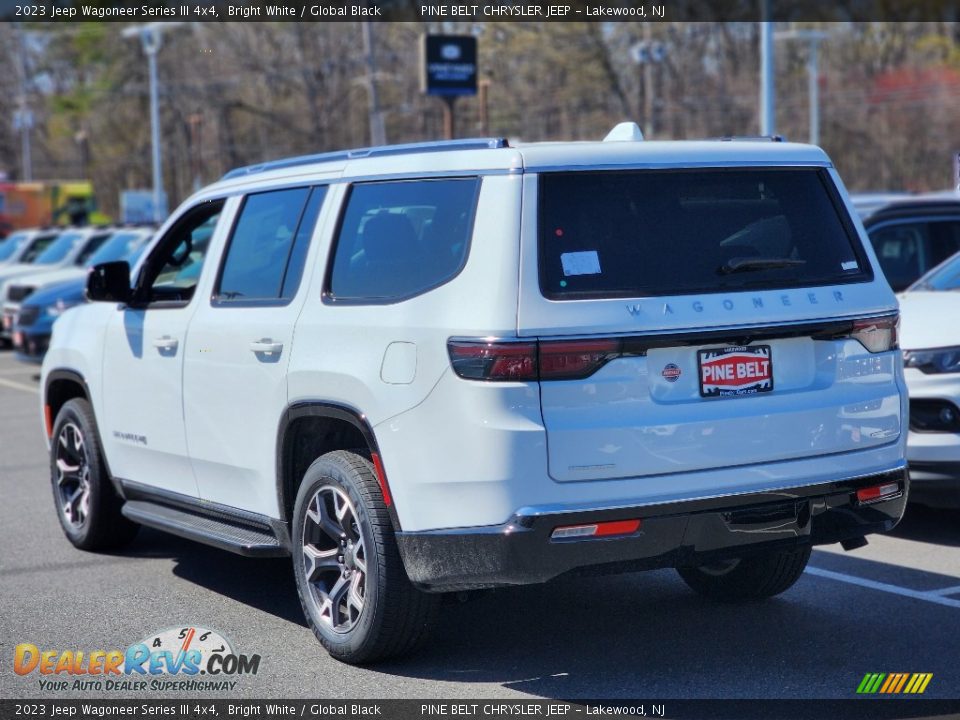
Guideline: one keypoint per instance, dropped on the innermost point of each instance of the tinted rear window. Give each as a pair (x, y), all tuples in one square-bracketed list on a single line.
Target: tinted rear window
[(400, 239), (656, 232)]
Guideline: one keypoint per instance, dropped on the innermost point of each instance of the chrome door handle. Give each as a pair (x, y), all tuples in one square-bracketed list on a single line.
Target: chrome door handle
[(266, 346), (165, 343)]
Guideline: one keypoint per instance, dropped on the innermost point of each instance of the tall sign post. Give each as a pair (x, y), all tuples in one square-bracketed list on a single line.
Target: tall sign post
[(449, 70)]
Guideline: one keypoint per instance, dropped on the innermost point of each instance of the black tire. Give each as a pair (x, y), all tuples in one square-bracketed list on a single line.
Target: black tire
[(748, 578), (394, 616), (93, 522)]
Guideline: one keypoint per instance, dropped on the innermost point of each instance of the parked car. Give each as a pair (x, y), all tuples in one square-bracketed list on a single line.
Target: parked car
[(117, 245), (23, 246), (442, 367), (931, 354), (914, 236), (867, 203), (70, 249), (33, 319)]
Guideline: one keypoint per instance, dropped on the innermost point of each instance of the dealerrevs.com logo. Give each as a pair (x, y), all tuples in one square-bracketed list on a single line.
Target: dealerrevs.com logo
[(183, 658)]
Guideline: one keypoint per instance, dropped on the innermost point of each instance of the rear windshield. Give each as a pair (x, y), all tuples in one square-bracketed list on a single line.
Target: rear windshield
[(671, 232)]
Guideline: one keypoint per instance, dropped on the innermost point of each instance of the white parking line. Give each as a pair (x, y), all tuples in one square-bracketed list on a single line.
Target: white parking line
[(18, 386), (931, 596), (955, 590)]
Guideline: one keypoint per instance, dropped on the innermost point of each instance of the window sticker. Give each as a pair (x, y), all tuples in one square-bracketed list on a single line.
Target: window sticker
[(586, 262), (849, 265)]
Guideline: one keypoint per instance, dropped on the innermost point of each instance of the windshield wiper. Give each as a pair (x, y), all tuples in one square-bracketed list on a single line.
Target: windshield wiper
[(747, 264)]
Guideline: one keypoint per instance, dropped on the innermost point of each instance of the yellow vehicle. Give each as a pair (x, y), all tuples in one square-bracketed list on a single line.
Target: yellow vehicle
[(51, 202)]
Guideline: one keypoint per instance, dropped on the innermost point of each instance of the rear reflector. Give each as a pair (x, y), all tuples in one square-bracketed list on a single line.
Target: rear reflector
[(878, 492), (381, 479), (48, 420), (604, 529)]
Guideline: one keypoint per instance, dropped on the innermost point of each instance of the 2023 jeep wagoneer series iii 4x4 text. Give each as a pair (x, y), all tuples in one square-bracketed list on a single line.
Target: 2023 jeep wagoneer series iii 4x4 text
[(433, 368)]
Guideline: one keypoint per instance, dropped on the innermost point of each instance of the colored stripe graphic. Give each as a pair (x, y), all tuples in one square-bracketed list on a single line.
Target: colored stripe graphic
[(894, 683), (903, 681)]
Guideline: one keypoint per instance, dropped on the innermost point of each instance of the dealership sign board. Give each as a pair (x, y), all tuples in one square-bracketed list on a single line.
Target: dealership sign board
[(449, 65)]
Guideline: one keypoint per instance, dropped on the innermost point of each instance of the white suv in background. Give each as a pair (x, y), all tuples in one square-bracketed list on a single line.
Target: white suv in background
[(444, 367)]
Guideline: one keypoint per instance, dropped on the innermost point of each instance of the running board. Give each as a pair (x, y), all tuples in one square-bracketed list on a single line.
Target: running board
[(221, 533)]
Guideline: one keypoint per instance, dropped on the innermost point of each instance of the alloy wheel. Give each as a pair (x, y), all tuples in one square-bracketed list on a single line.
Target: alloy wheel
[(73, 475), (334, 559)]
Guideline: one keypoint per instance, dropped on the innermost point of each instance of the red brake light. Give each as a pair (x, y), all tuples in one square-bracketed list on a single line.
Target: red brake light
[(876, 334), (494, 360), (564, 360), (519, 361)]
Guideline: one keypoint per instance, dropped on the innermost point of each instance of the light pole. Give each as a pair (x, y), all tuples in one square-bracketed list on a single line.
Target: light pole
[(647, 53), (768, 120), (22, 117), (378, 133), (814, 38), (151, 38)]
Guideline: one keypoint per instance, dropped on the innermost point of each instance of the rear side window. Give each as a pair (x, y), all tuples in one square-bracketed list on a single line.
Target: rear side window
[(903, 251), (667, 232), (264, 260), (400, 239)]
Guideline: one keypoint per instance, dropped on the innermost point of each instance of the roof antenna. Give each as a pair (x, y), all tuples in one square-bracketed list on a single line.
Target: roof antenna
[(625, 132)]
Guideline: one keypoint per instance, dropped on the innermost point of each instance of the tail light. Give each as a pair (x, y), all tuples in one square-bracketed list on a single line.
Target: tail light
[(519, 361), (876, 334), (564, 360), (494, 360)]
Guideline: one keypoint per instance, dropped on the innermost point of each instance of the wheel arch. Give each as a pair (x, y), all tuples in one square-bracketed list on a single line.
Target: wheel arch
[(61, 386), (309, 429)]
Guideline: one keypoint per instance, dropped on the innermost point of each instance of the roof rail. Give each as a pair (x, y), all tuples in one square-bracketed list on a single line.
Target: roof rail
[(750, 138), (379, 151)]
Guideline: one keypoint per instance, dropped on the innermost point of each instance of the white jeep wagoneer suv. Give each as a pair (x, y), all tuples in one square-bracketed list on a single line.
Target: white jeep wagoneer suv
[(444, 367)]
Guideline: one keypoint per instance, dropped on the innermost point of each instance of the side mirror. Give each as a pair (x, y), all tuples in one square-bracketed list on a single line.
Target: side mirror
[(109, 282)]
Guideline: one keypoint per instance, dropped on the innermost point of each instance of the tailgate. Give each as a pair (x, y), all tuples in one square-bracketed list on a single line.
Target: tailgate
[(713, 404)]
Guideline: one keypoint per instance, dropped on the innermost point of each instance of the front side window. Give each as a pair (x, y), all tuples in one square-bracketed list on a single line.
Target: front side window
[(264, 260), (399, 239), (669, 232), (173, 270)]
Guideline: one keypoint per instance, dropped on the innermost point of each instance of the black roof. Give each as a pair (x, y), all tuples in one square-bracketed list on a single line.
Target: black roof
[(914, 208)]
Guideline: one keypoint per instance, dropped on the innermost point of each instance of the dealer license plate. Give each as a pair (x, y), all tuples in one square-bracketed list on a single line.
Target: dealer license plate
[(735, 371)]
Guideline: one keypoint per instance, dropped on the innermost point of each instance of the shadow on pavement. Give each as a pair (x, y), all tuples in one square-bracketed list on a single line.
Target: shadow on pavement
[(930, 525), (644, 636), (264, 584)]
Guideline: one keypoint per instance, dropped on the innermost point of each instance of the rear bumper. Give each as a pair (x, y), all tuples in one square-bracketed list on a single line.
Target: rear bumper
[(521, 551)]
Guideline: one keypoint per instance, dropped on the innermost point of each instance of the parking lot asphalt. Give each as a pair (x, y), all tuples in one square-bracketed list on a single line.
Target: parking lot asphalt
[(893, 606)]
